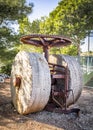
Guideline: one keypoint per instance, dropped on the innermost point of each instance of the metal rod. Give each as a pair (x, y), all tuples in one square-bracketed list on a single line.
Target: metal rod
[(46, 52)]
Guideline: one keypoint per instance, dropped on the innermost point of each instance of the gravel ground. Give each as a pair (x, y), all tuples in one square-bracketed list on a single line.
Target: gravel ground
[(44, 120)]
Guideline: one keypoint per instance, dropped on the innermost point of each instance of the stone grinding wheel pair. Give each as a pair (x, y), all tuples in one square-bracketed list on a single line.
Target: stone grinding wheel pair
[(35, 87)]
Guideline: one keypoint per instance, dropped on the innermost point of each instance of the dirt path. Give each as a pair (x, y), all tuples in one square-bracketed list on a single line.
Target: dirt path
[(11, 120)]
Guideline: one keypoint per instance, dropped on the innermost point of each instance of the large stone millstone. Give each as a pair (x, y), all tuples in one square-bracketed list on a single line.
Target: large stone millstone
[(33, 93), (75, 75)]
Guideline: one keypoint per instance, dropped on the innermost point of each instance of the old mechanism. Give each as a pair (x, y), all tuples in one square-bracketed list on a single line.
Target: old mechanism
[(60, 74)]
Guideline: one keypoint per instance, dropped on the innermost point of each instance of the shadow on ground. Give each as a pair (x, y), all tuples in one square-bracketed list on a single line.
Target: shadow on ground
[(10, 119)]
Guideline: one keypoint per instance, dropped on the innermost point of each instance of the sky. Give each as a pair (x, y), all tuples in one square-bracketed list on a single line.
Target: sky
[(42, 8)]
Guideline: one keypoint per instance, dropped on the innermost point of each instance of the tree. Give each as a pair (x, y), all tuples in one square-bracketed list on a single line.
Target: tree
[(27, 27), (72, 18), (11, 13), (46, 26)]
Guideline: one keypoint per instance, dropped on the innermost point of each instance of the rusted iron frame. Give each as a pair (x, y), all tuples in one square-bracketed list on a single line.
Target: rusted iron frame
[(46, 41), (54, 37), (66, 77), (66, 86), (54, 65), (51, 108), (47, 44), (46, 52), (64, 93)]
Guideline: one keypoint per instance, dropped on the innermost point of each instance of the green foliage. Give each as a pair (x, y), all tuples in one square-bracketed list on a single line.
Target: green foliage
[(46, 26), (13, 10), (30, 48), (27, 27), (72, 18), (6, 57), (69, 18), (6, 69), (69, 50), (11, 13), (35, 26)]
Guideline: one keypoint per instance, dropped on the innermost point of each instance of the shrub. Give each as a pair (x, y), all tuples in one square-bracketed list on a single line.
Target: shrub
[(6, 69)]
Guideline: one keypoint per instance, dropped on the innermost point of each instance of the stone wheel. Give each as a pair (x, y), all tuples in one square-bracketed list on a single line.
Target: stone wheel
[(30, 82)]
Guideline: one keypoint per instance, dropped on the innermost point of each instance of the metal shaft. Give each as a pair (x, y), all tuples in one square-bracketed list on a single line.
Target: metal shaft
[(46, 52)]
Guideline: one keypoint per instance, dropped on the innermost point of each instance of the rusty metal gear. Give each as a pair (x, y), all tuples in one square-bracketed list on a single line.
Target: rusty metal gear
[(46, 41)]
